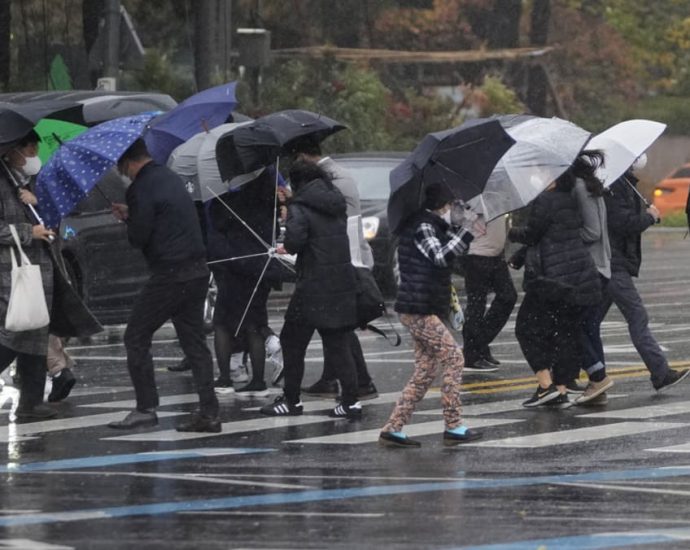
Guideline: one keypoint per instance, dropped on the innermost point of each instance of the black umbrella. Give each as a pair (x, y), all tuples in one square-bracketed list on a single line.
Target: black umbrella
[(259, 144), (461, 158), (17, 120)]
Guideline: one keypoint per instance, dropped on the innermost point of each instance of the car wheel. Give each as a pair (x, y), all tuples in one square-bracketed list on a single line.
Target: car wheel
[(210, 304)]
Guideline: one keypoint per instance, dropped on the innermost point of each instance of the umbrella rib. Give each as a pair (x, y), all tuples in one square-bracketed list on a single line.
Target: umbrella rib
[(275, 205), (249, 303), (268, 247), (237, 258)]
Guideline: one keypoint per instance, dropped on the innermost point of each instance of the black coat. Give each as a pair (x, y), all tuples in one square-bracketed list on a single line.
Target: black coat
[(316, 230), (565, 270), (627, 219), (424, 286), (163, 223), (254, 203)]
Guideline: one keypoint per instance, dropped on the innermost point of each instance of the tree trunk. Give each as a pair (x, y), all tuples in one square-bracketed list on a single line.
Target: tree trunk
[(537, 83), (504, 29), (91, 13), (5, 31), (204, 15)]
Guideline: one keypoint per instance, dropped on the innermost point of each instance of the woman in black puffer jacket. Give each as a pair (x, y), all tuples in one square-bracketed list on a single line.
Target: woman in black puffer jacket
[(325, 296), (560, 282)]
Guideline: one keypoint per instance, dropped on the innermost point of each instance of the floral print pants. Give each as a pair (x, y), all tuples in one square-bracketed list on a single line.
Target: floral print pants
[(434, 345)]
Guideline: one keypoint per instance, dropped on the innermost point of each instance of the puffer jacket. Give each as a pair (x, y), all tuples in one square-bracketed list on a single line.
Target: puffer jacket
[(565, 270), (316, 230)]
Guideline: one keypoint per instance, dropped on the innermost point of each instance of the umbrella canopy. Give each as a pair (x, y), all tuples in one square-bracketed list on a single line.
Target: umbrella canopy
[(98, 109), (17, 120), (544, 149), (78, 164), (461, 158), (195, 161), (202, 111), (54, 133), (622, 144), (259, 144)]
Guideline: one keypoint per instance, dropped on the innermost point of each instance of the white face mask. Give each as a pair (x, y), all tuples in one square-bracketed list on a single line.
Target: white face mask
[(32, 166), (640, 163), (446, 216)]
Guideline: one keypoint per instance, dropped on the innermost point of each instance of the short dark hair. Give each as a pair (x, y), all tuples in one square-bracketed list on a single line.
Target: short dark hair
[(437, 195), (303, 171), (136, 151), (29, 139), (307, 145)]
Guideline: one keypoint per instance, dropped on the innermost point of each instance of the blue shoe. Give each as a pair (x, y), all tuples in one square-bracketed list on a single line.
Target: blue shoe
[(397, 439), (459, 435)]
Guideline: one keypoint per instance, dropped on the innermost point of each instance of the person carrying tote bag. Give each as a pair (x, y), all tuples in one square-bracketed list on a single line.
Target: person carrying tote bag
[(28, 347), (27, 309)]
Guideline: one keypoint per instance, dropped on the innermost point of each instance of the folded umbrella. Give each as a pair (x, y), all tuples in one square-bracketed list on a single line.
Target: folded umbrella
[(622, 144), (461, 158), (195, 162), (260, 143), (79, 164), (200, 112), (544, 149)]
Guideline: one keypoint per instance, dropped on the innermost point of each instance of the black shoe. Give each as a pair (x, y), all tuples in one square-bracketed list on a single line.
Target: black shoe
[(198, 423), (481, 365), (347, 411), (135, 419), (575, 387), (253, 389), (62, 385), (490, 358), (181, 366), (322, 388), (282, 407), (364, 393), (450, 438), (387, 439), (541, 396), (35, 413), (561, 402), (671, 379)]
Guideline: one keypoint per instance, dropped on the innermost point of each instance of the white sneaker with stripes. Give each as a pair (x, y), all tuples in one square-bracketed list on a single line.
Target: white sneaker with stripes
[(282, 407), (347, 411)]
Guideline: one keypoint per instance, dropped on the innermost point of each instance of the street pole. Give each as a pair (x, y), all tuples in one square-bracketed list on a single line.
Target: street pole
[(112, 25)]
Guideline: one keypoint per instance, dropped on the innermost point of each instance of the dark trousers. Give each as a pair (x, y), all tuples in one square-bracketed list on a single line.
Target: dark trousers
[(182, 302), (593, 361), (621, 291), (32, 375), (363, 377), (549, 336), (294, 339), (485, 274)]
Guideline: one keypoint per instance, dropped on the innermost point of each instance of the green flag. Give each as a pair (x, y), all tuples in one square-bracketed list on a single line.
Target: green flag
[(59, 74)]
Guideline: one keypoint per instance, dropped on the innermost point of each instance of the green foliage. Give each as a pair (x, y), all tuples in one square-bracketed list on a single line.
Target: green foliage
[(672, 110), (499, 97), (158, 74), (675, 219)]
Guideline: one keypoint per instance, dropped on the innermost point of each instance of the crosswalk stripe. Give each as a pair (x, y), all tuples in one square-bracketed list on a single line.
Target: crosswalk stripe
[(180, 399), (682, 448), (23, 432), (578, 435), (641, 413), (237, 426), (413, 430)]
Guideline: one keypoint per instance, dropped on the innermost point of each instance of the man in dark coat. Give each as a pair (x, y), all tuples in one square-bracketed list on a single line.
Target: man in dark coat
[(325, 292), (627, 220), (162, 222)]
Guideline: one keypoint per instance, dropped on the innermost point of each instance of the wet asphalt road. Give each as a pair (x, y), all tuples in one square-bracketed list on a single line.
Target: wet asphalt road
[(610, 477)]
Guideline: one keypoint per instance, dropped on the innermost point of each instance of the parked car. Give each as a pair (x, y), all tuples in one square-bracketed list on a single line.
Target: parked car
[(371, 171), (671, 193)]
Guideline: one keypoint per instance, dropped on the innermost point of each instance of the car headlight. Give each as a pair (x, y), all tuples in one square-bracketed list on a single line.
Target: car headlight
[(370, 225)]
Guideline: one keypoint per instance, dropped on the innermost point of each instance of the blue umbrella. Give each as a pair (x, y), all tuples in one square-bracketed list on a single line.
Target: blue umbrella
[(200, 112), (80, 163)]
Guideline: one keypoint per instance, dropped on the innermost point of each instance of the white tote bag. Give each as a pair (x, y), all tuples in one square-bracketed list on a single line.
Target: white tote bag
[(27, 309)]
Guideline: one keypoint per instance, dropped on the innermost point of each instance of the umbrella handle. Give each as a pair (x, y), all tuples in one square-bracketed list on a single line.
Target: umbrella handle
[(33, 211)]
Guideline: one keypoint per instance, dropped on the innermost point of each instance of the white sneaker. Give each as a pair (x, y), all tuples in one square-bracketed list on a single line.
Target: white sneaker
[(272, 344)]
